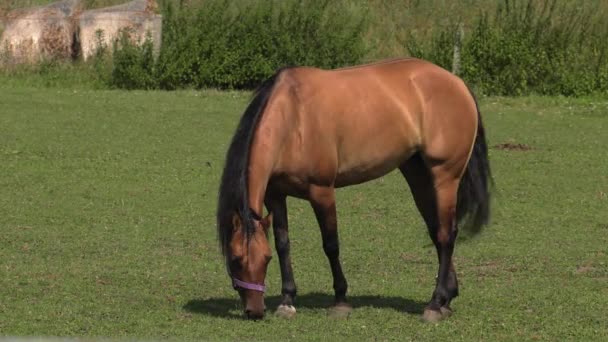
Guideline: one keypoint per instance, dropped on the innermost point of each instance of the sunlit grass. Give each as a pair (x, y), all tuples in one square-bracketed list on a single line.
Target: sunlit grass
[(108, 229)]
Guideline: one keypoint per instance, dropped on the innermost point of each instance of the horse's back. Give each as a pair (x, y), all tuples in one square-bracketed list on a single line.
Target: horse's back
[(359, 123)]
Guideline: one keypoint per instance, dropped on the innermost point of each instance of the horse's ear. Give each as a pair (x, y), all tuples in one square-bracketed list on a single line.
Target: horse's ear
[(266, 221), (236, 222)]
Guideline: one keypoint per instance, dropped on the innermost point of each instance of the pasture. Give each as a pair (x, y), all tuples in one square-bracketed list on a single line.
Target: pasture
[(107, 214)]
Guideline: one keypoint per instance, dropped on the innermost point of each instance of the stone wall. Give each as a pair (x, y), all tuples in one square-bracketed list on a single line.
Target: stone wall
[(102, 27), (44, 32), (63, 30)]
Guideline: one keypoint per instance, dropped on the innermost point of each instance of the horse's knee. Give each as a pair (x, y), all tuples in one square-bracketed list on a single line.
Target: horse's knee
[(282, 244)]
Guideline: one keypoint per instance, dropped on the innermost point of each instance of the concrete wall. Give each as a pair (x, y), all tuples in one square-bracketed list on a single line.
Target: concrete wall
[(37, 33), (63, 30), (104, 26)]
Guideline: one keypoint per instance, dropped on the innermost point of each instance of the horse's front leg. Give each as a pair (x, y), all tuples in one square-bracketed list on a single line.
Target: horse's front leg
[(278, 207), (323, 202)]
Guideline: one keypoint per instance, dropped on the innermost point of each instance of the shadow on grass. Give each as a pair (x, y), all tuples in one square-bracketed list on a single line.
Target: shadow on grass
[(222, 307)]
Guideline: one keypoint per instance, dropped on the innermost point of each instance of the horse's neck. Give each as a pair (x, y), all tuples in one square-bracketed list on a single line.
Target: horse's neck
[(263, 154), (257, 182)]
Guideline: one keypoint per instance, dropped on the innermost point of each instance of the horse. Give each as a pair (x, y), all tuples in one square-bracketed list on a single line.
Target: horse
[(308, 131)]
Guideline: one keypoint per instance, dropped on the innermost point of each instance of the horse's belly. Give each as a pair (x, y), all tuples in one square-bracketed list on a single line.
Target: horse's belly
[(370, 169), (371, 150)]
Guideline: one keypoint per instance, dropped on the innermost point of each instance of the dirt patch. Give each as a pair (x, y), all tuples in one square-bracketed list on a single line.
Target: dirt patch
[(584, 269), (488, 269), (512, 147), (593, 266), (415, 258)]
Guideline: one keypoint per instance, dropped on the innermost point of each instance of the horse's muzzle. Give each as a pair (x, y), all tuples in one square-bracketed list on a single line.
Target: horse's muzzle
[(254, 315)]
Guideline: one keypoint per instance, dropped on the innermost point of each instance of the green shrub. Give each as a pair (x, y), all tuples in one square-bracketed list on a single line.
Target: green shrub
[(547, 47), (235, 44), (133, 64), (439, 49)]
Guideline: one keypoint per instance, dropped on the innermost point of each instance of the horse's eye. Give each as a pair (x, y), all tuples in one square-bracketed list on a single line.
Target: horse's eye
[(235, 262), (235, 258)]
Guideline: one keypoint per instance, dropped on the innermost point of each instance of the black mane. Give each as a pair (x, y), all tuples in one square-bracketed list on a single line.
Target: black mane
[(233, 193)]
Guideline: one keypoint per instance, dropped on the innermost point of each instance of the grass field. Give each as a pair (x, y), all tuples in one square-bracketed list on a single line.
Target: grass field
[(107, 218)]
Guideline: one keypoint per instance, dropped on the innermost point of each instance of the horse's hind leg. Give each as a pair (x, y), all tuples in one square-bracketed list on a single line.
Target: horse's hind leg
[(323, 202), (278, 207), (435, 193)]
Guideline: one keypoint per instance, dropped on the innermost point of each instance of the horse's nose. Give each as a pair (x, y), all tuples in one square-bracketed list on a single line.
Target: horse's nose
[(255, 315)]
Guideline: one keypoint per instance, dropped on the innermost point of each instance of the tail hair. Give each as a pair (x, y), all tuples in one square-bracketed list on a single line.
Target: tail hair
[(473, 208)]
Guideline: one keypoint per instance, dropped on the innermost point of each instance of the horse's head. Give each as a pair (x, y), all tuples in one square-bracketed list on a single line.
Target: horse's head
[(248, 258)]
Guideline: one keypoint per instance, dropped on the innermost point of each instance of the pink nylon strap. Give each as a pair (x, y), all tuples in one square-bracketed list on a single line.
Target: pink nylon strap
[(248, 286)]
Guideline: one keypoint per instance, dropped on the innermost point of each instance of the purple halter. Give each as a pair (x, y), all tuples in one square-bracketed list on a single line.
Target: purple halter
[(248, 286)]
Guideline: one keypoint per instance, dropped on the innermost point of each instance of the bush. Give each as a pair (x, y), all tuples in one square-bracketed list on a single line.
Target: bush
[(546, 47), (235, 44), (133, 64)]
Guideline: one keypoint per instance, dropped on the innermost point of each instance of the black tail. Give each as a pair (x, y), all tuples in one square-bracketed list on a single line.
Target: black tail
[(474, 190)]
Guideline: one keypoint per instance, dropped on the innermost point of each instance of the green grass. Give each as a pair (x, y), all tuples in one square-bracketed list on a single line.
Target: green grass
[(108, 229)]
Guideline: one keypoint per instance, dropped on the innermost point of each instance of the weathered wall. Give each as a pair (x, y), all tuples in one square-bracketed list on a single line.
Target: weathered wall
[(62, 30), (104, 26), (37, 33)]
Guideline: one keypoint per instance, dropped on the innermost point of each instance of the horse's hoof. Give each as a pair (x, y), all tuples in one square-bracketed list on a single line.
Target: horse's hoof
[(341, 310), (432, 316), (446, 311), (286, 311)]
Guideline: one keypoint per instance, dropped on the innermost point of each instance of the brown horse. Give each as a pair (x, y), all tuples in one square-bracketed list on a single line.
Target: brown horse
[(309, 131)]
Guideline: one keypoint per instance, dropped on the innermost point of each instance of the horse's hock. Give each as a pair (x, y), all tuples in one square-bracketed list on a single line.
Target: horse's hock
[(100, 28), (63, 30), (44, 32)]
